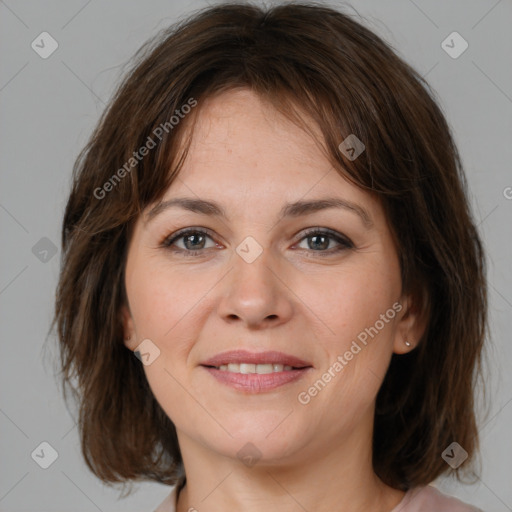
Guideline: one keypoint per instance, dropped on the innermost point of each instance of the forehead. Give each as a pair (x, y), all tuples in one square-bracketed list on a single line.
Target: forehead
[(240, 141), (247, 160), (240, 125)]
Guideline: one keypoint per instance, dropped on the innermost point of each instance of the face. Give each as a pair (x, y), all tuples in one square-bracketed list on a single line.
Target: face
[(311, 292)]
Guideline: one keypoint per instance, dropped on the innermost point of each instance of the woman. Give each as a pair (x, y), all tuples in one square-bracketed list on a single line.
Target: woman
[(271, 215)]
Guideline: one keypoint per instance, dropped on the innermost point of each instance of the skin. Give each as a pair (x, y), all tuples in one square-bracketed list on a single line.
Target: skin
[(251, 160)]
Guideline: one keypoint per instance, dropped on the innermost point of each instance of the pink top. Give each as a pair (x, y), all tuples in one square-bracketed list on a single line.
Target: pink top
[(419, 499)]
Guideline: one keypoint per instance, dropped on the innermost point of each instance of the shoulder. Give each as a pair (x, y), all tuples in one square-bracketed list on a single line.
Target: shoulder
[(428, 498)]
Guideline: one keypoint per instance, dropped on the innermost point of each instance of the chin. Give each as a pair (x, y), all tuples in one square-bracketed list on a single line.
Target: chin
[(264, 436)]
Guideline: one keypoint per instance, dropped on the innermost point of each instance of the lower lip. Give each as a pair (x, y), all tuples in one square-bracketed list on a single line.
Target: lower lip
[(256, 382)]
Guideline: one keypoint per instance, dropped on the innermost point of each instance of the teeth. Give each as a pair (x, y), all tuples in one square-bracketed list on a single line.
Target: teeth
[(254, 368)]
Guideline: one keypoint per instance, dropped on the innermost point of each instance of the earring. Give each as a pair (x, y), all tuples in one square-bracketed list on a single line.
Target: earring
[(127, 339), (407, 343)]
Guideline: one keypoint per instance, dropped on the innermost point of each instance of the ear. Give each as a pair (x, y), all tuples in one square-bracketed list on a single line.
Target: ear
[(129, 334), (412, 323)]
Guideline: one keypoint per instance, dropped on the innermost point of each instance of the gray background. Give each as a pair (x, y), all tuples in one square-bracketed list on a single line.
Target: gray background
[(49, 107)]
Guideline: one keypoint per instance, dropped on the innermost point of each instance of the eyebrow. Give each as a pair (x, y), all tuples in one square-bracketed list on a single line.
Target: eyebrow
[(295, 209)]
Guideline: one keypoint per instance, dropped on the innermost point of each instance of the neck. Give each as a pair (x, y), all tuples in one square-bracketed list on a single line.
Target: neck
[(340, 478)]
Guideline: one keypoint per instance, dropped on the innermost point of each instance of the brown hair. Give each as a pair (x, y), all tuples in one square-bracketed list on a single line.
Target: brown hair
[(303, 58)]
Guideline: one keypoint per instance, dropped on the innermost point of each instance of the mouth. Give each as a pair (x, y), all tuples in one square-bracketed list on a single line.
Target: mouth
[(243, 361), (256, 372), (260, 369)]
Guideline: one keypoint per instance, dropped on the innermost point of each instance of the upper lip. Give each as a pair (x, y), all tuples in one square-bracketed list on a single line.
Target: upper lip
[(243, 356)]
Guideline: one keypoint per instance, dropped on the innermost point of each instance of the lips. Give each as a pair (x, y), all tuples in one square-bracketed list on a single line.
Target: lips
[(241, 357), (256, 372)]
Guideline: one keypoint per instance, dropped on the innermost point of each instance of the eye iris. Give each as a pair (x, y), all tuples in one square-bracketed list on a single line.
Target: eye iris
[(323, 245), (195, 244)]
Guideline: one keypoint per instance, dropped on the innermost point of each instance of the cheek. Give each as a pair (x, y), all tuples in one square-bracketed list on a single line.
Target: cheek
[(162, 306), (156, 311), (358, 328), (169, 306), (353, 299), (160, 298)]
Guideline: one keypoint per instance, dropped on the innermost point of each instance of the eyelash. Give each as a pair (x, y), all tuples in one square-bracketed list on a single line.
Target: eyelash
[(345, 243)]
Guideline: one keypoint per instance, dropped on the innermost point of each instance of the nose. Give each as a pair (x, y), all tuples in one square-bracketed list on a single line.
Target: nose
[(255, 294)]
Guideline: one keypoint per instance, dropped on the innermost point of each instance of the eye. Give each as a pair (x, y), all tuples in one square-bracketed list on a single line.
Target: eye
[(193, 241), (319, 240)]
